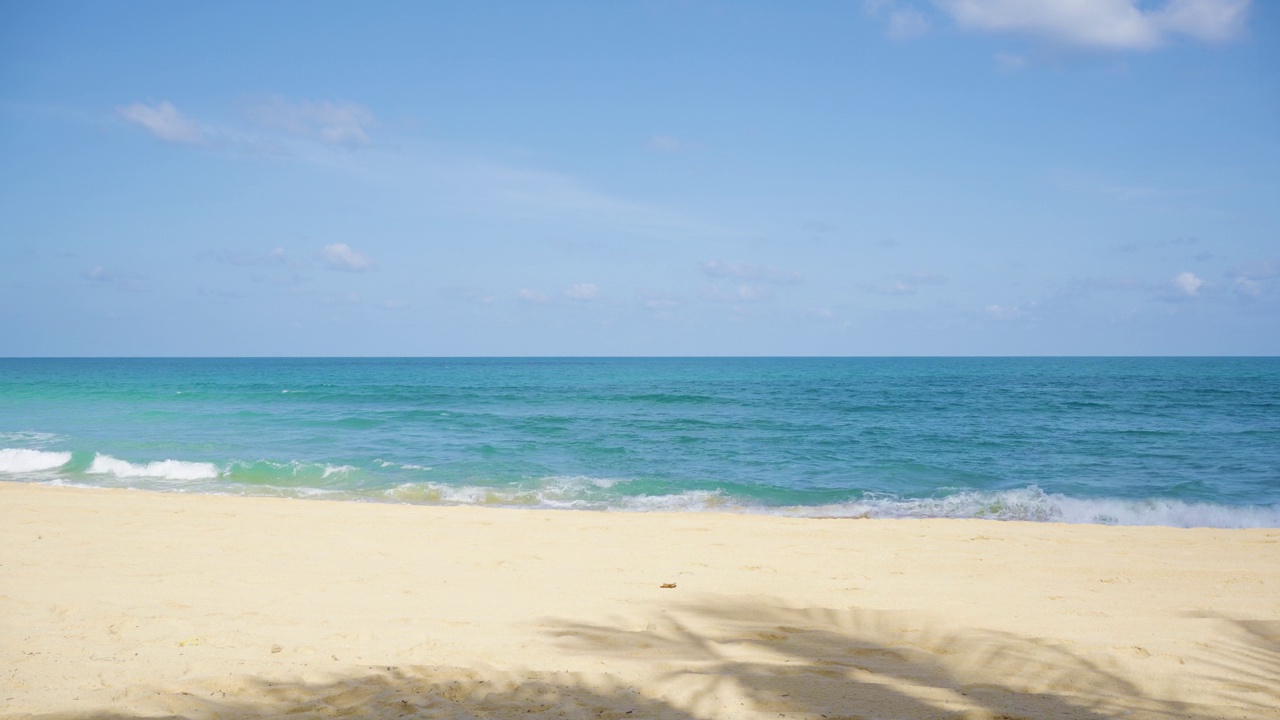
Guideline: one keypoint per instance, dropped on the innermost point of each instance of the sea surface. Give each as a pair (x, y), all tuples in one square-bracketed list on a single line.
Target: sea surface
[(1146, 441)]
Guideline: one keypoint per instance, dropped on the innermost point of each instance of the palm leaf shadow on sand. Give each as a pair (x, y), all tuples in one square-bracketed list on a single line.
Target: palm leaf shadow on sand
[(749, 659), (409, 692), (1246, 663), (865, 663)]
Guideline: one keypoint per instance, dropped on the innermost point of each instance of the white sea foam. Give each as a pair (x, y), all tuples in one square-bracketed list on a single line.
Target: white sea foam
[(30, 438), (1033, 504), (163, 469), (23, 460), (569, 492), (336, 469), (1028, 504)]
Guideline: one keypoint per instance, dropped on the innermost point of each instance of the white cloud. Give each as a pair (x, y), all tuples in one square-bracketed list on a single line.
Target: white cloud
[(340, 256), (341, 123), (1114, 24), (1188, 284), (750, 273), (583, 292), (165, 122), (532, 296)]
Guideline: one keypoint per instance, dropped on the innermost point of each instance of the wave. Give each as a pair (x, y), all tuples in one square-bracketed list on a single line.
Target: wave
[(576, 492), (161, 469), (580, 492), (1028, 504), (23, 460), (1035, 505), (30, 438)]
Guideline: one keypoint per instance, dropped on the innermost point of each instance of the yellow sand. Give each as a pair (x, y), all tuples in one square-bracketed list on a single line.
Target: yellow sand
[(121, 603)]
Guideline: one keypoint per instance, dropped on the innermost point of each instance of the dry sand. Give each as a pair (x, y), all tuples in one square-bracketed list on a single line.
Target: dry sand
[(118, 603)]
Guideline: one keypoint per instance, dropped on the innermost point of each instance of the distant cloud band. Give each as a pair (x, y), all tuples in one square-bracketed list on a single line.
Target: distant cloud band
[(165, 122)]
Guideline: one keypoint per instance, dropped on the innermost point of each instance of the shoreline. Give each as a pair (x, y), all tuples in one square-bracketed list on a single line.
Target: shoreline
[(137, 603), (1027, 504)]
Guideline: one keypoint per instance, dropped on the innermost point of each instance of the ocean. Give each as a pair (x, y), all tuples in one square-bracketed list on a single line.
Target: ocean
[(1141, 441)]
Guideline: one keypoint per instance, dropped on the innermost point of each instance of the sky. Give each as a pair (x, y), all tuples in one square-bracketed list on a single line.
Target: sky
[(888, 177)]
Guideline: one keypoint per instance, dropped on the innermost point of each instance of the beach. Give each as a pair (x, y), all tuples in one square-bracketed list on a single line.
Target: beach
[(124, 603)]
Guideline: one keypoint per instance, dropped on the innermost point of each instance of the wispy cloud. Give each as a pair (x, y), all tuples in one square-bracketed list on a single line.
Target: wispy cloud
[(907, 283), (276, 127), (164, 122), (750, 273), (906, 23), (892, 288), (340, 256), (1111, 24), (539, 194), (744, 293), (747, 283), (470, 295), (1260, 270), (535, 297), (583, 292), (333, 123), (1009, 312), (904, 20), (657, 301), (1250, 279), (314, 131)]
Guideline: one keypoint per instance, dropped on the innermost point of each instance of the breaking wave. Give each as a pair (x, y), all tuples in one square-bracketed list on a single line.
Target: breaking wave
[(23, 460), (162, 469), (384, 481)]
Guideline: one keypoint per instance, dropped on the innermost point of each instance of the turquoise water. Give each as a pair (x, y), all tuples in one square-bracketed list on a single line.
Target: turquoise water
[(1178, 441)]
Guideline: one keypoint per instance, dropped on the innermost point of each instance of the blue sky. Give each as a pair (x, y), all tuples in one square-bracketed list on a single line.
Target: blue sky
[(892, 177)]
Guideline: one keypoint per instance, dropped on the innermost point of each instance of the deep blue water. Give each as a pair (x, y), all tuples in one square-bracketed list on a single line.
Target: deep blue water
[(1180, 441)]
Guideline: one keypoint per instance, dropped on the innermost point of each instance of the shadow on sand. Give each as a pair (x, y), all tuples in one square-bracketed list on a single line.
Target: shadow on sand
[(734, 659)]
